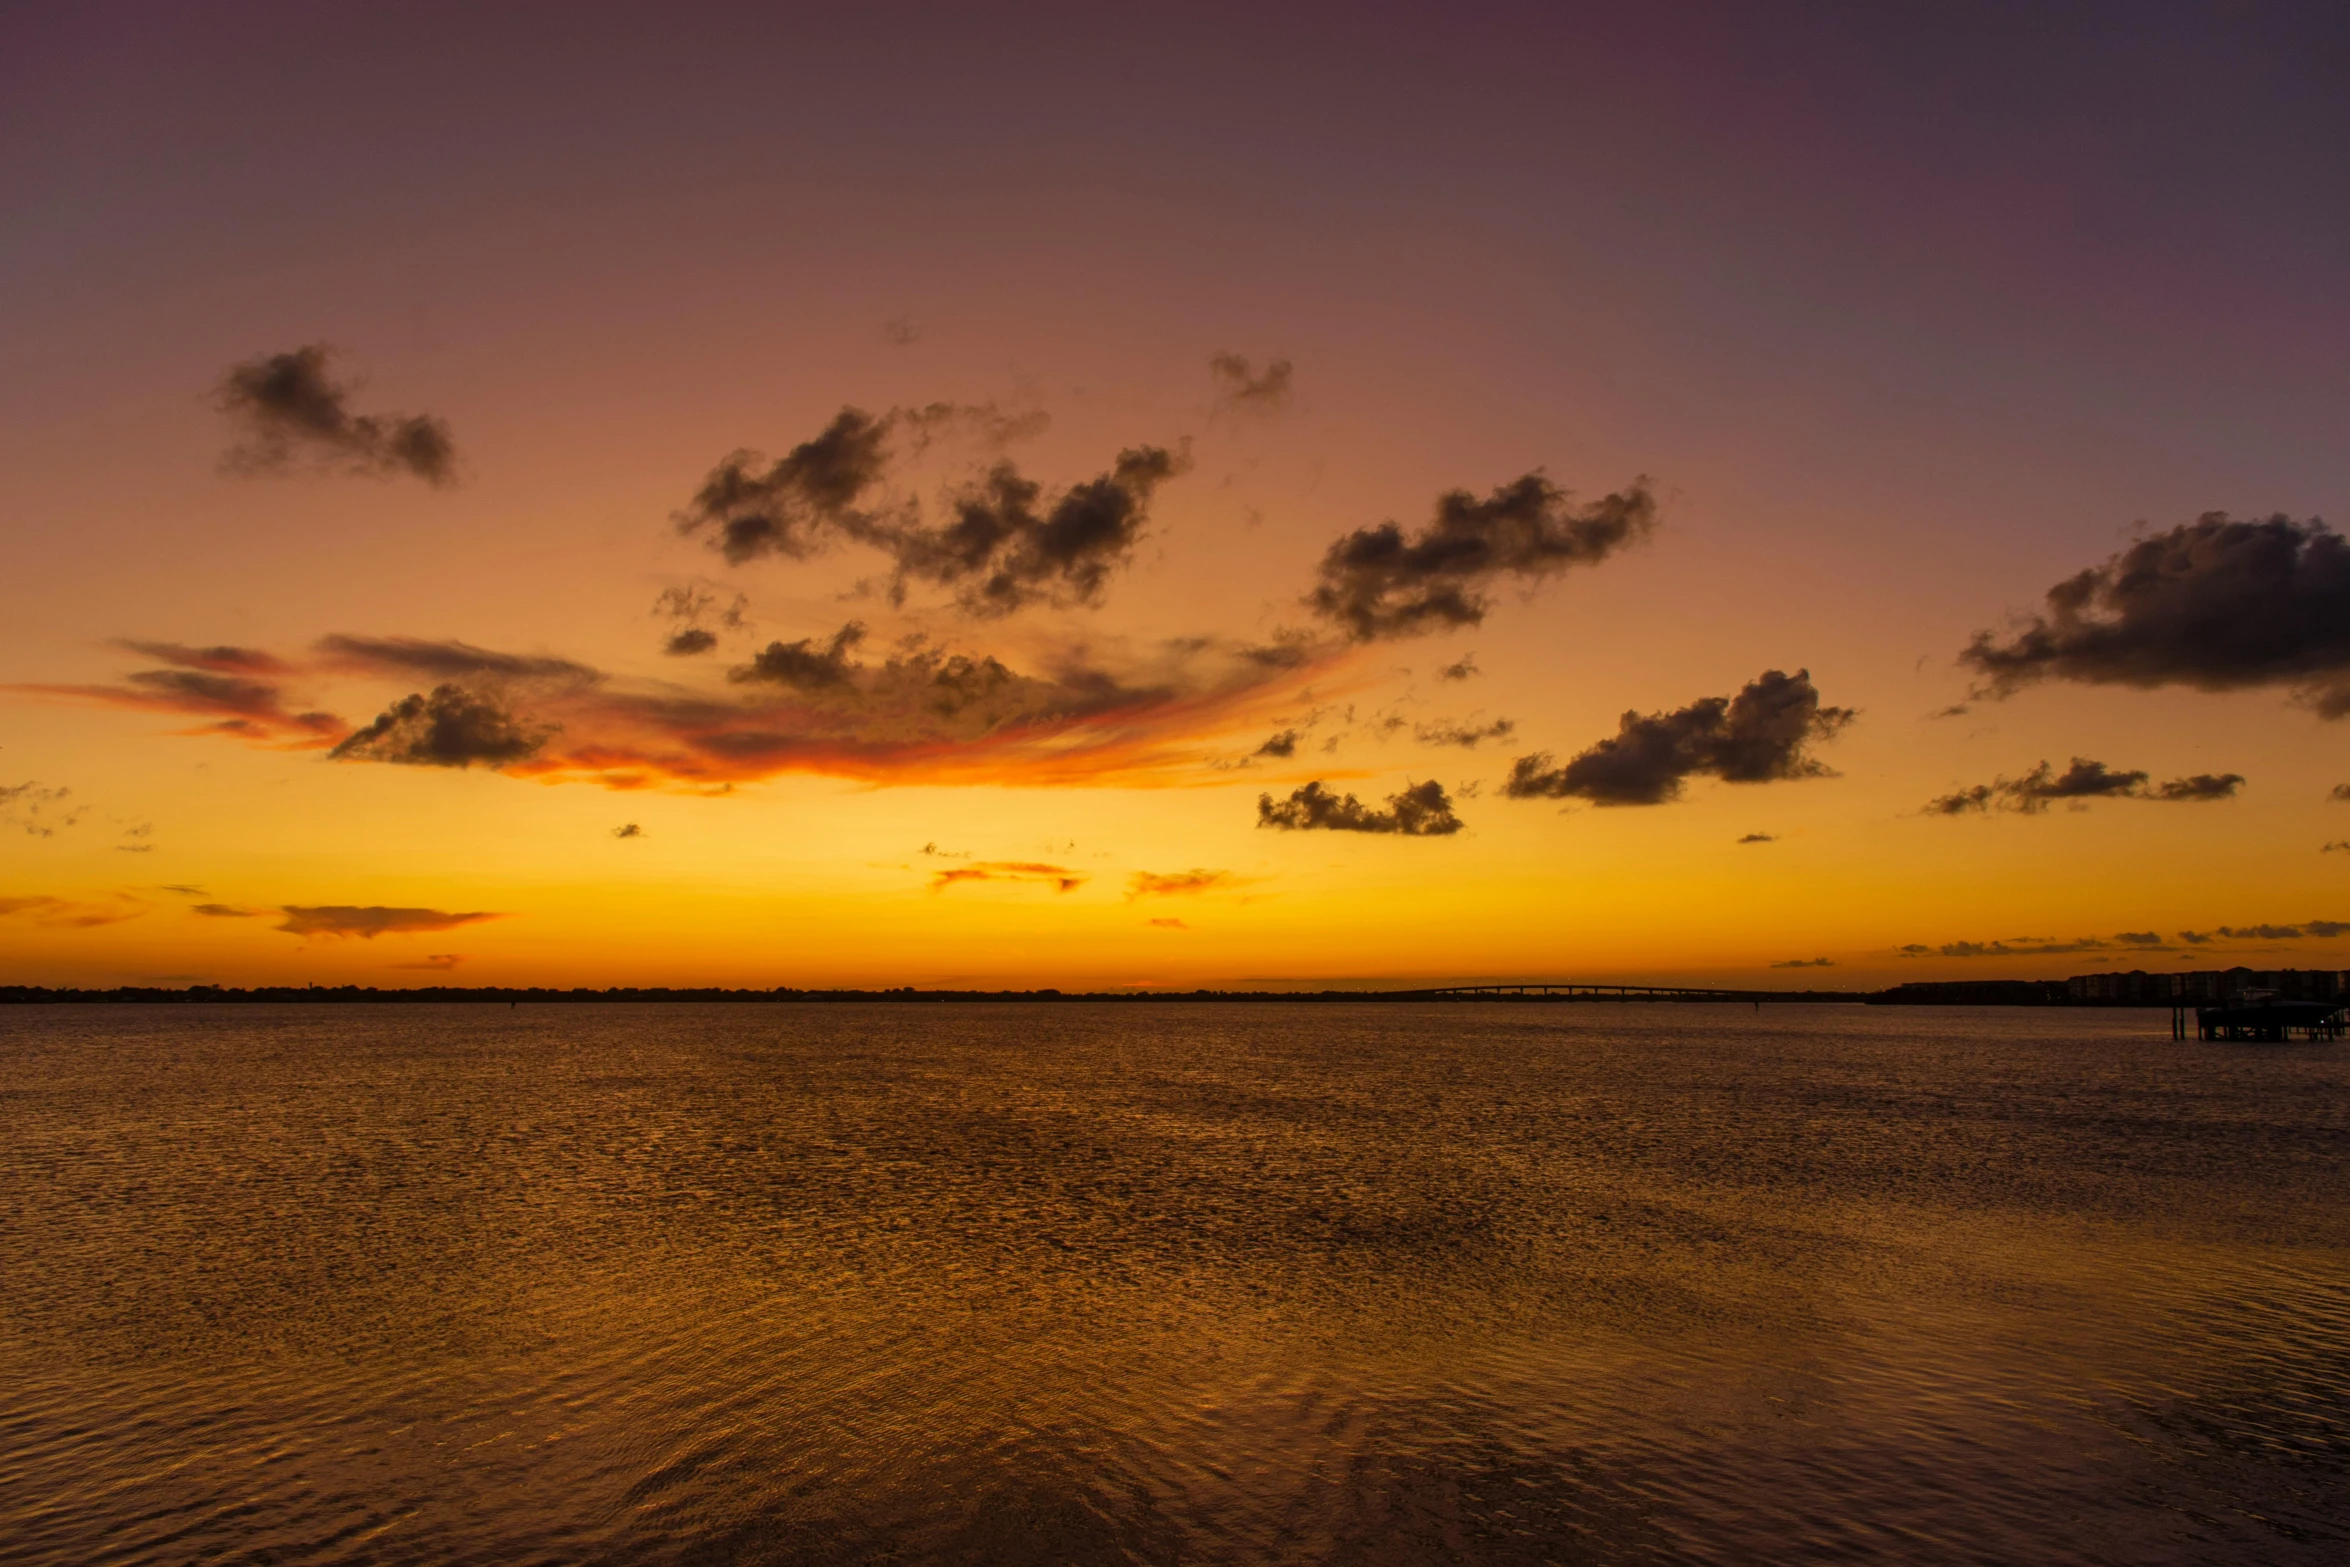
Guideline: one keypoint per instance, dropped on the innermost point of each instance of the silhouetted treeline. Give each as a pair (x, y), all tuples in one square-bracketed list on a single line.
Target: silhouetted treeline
[(42, 994)]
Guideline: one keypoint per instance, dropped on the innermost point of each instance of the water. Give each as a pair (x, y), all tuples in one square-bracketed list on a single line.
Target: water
[(1362, 1284)]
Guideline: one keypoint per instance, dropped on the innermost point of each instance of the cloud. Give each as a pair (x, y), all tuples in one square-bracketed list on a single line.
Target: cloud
[(2082, 780), (235, 704), (370, 921), (1059, 877), (2338, 846), (36, 811), (901, 331), (2200, 786), (436, 962), (225, 911), (1421, 810), (2200, 938), (1008, 547), (2139, 938), (1152, 884), (453, 727), (689, 641), (2323, 930), (1466, 736), (1806, 963), (221, 660), (1760, 837), (2017, 949), (628, 830), (1465, 668), (1082, 712), (447, 659), (72, 914), (691, 608), (292, 411), (1165, 923), (803, 665), (2216, 604), (1241, 387), (184, 889), (1758, 736), (1004, 543), (1376, 584)]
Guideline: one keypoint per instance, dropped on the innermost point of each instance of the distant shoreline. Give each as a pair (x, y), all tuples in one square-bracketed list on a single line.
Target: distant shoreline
[(41, 995)]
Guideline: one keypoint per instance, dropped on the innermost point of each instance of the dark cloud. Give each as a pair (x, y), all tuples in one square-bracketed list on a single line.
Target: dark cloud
[(2339, 792), (805, 665), (448, 660), (221, 660), (2338, 846), (1955, 710), (2325, 930), (2199, 938), (1152, 884), (2216, 604), (2139, 938), (693, 608), (1464, 669), (185, 889), (224, 911), (2021, 948), (1760, 837), (1059, 877), (370, 921), (749, 507), (1008, 547), (1419, 811), (236, 704), (453, 727), (628, 830), (293, 411), (1758, 736), (2261, 932), (1466, 736), (1806, 963), (2082, 780), (1240, 386), (1280, 746), (435, 962), (2199, 786), (1165, 923), (36, 811), (1375, 583), (1005, 544)]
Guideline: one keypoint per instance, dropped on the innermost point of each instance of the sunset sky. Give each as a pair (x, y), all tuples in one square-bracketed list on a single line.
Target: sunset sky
[(1206, 496)]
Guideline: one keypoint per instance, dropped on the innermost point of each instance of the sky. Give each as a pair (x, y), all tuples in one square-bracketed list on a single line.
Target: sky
[(1172, 497)]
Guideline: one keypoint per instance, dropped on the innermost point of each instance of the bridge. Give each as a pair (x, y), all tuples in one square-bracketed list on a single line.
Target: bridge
[(1576, 990)]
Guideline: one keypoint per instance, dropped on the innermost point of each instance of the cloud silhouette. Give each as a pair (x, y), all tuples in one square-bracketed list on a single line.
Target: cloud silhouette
[(1806, 963), (370, 921), (2084, 779), (2217, 604), (1375, 583), (1166, 923), (1059, 877), (36, 811), (1759, 837), (628, 830), (1466, 736), (436, 962), (226, 911), (453, 727), (804, 665), (1760, 735), (1151, 884), (688, 641), (293, 413), (1421, 810), (1464, 668), (1240, 387), (749, 507)]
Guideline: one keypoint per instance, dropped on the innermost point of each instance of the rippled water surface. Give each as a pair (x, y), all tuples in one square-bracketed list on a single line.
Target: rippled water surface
[(1200, 1284)]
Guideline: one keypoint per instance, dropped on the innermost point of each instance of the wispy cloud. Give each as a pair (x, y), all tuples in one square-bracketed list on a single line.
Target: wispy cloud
[(1153, 884), (294, 413), (2082, 781), (369, 921), (1058, 877)]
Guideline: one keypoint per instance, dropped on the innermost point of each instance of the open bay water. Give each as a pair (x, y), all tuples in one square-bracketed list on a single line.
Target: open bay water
[(1085, 1283)]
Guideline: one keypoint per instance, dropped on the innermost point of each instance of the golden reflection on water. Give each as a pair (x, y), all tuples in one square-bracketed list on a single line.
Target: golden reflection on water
[(1199, 1284)]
